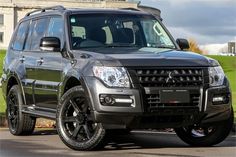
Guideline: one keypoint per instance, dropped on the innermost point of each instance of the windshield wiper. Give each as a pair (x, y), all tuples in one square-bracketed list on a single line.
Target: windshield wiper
[(120, 45), (110, 46), (166, 47)]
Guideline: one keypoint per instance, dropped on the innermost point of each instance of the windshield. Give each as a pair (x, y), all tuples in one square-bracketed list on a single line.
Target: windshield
[(108, 31)]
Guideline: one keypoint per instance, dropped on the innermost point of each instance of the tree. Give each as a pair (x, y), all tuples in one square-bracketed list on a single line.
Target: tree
[(193, 46)]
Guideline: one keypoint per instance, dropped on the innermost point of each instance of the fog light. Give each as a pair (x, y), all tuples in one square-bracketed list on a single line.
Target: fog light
[(117, 100), (108, 100), (218, 99)]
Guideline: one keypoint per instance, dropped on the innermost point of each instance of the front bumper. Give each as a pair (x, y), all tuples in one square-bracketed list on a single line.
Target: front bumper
[(219, 111), (134, 114)]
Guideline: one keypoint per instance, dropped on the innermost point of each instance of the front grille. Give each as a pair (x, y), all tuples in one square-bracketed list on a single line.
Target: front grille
[(157, 77), (153, 101)]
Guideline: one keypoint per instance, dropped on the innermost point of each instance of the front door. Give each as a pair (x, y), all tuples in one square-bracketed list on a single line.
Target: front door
[(49, 68), (48, 74)]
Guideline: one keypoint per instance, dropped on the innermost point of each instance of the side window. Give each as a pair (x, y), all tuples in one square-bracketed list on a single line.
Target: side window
[(78, 31), (55, 28), (149, 33), (19, 39), (109, 38), (128, 24), (38, 32)]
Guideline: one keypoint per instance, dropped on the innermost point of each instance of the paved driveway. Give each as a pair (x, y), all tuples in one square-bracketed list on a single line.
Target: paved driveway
[(138, 144)]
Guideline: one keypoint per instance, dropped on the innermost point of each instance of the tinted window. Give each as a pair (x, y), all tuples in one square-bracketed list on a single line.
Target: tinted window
[(38, 32), (118, 30), (20, 36), (55, 28), (78, 32), (28, 39)]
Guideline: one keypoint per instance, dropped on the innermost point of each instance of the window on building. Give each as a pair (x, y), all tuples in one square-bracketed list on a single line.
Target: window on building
[(1, 37), (55, 28), (39, 31), (20, 36), (1, 19)]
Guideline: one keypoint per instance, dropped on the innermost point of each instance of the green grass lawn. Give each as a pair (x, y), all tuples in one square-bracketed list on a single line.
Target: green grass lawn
[(2, 102), (227, 62), (2, 55)]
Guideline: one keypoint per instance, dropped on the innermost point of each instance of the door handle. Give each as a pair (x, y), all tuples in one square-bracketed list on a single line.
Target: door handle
[(22, 59), (40, 61)]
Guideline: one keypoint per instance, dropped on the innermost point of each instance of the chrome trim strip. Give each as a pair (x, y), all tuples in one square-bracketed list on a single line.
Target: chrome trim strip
[(201, 99), (206, 100)]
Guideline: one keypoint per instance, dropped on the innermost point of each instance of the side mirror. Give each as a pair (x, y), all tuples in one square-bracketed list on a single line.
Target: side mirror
[(51, 44), (183, 43)]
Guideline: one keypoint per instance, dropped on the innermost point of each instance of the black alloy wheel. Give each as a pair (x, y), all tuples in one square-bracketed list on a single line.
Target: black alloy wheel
[(75, 124), (77, 120), (18, 122)]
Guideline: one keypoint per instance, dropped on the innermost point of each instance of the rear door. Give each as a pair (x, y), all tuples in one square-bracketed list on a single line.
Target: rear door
[(26, 61)]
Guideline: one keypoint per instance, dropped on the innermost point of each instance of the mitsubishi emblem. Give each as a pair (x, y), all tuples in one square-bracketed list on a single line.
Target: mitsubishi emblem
[(170, 77)]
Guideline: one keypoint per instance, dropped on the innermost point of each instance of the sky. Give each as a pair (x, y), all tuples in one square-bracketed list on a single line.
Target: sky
[(211, 23)]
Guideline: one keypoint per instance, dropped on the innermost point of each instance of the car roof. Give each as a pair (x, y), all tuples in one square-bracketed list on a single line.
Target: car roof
[(60, 10), (108, 11)]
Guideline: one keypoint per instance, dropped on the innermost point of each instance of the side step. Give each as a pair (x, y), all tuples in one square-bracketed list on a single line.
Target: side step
[(40, 112)]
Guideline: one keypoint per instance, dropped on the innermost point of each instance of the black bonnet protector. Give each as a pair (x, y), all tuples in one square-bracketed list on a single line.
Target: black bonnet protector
[(170, 59)]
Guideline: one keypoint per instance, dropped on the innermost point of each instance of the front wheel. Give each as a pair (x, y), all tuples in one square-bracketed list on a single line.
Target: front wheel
[(209, 135), (75, 124)]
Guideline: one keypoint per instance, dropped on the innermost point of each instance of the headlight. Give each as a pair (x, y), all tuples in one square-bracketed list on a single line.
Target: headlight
[(112, 76), (216, 75)]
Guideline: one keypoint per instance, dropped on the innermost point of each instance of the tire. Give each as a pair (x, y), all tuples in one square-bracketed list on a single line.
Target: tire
[(18, 122), (75, 124), (208, 135)]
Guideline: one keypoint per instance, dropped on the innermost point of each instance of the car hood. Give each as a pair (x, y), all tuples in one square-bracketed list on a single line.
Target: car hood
[(143, 58)]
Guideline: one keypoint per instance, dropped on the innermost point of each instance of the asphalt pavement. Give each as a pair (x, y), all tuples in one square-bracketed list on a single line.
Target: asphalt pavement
[(46, 143)]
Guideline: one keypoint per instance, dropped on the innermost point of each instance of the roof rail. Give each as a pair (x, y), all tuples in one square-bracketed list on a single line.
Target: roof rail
[(131, 9), (58, 7)]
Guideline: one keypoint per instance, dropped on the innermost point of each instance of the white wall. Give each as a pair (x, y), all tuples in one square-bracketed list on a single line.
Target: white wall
[(8, 26)]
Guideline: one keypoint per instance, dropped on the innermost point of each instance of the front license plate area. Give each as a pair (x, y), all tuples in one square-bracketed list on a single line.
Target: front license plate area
[(174, 96)]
